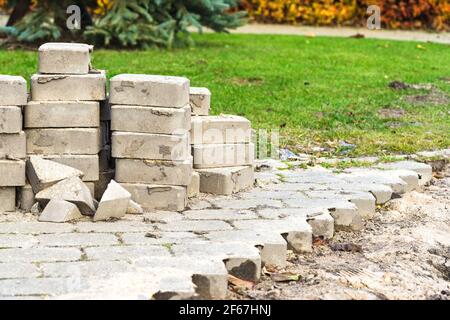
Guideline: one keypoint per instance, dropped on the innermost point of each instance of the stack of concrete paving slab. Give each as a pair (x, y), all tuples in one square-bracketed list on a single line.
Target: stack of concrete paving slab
[(221, 146), (62, 120), (150, 138), (13, 95)]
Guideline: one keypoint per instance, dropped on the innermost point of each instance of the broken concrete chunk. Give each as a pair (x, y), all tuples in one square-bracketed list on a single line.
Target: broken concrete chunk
[(134, 208), (62, 114), (114, 203), (10, 119), (13, 91), (164, 172), (65, 58), (88, 164), (13, 146), (322, 225), (7, 199), (225, 181), (86, 87), (44, 173), (81, 141), (200, 101), (223, 155), (150, 119), (149, 90), (150, 146), (60, 211), (220, 129), (72, 190), (12, 173)]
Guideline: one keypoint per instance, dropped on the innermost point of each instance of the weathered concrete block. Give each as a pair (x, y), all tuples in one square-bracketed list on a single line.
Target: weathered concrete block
[(88, 164), (150, 146), (60, 211), (223, 155), (150, 119), (200, 101), (72, 190), (164, 172), (193, 189), (220, 129), (12, 173), (114, 203), (62, 114), (88, 87), (13, 145), (7, 199), (10, 119), (425, 171), (26, 198), (158, 197), (65, 58), (322, 225), (63, 141), (13, 91), (149, 90), (42, 173), (225, 181)]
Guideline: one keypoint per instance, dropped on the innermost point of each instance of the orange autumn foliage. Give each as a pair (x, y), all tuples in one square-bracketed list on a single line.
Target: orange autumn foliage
[(395, 14)]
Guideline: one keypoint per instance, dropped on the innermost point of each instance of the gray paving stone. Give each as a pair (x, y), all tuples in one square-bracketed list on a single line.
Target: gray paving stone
[(241, 260), (159, 238), (265, 194), (13, 90), (77, 239), (40, 254), (13, 146), (10, 119), (224, 214), (86, 87), (33, 286), (247, 203), (125, 253), (149, 90), (209, 275), (114, 203), (150, 119), (226, 181), (296, 231), (62, 114), (272, 246), (322, 225), (34, 227), (84, 269), (65, 58), (223, 155), (7, 199), (17, 241), (200, 100), (197, 226), (15, 270), (60, 211), (162, 216), (88, 164), (221, 129), (365, 201), (12, 173), (398, 185), (113, 226), (277, 213), (425, 171)]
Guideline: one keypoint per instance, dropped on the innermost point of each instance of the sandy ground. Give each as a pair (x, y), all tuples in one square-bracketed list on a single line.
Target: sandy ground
[(402, 254)]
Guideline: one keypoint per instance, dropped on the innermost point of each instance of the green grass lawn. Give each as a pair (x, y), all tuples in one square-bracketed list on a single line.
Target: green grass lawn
[(316, 91)]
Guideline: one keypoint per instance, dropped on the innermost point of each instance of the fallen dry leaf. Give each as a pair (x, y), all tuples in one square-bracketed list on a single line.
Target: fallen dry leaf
[(347, 247), (240, 283), (285, 277)]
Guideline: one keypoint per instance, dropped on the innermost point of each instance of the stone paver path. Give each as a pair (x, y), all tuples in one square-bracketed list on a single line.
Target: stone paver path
[(170, 255)]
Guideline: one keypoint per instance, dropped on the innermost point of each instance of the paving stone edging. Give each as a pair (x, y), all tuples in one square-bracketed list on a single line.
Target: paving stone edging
[(169, 255)]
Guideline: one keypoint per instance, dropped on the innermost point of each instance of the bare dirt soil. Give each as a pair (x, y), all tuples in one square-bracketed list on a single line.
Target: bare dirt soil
[(404, 253)]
